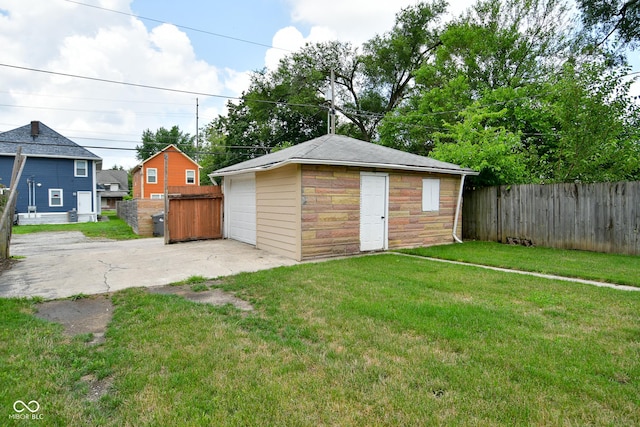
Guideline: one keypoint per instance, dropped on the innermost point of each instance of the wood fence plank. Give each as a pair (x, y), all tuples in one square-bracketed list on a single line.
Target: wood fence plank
[(602, 217)]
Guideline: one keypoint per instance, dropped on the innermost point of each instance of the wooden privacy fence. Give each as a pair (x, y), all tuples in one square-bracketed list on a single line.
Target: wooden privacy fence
[(195, 213), (602, 217)]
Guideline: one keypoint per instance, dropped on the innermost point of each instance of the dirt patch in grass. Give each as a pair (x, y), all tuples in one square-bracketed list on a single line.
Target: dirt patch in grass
[(97, 388), (92, 314), (88, 315), (213, 296)]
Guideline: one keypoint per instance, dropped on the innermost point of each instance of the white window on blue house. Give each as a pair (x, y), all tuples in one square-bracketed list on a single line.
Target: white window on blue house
[(55, 197), (152, 176), (81, 168), (430, 195), (191, 176)]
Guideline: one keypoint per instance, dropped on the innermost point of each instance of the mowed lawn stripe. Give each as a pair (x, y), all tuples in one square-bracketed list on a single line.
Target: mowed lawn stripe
[(380, 340)]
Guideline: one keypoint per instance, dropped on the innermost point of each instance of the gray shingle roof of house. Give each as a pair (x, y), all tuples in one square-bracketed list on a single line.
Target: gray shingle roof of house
[(110, 176), (343, 150), (48, 143)]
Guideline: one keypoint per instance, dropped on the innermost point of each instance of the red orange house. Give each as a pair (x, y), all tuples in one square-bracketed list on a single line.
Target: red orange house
[(148, 177)]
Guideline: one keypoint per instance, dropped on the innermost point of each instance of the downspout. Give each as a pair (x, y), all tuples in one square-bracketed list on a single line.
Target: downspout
[(458, 206)]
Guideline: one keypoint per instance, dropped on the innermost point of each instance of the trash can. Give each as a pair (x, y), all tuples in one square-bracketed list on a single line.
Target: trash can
[(73, 215), (158, 224)]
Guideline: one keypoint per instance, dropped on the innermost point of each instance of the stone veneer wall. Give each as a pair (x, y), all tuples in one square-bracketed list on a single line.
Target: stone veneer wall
[(408, 225), (137, 213), (331, 210)]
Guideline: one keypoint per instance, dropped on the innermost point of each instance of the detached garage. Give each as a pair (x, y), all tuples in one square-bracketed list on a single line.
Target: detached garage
[(336, 195)]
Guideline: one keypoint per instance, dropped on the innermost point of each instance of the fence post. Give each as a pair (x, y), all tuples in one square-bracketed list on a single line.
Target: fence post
[(9, 208)]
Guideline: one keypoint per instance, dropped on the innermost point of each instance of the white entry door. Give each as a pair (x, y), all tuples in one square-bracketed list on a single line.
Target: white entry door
[(374, 193), (84, 202)]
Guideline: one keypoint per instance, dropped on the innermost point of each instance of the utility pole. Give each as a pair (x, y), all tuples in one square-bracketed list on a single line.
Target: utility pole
[(333, 104), (197, 131)]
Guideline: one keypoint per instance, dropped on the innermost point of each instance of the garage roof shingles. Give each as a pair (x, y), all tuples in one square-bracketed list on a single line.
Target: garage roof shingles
[(339, 149)]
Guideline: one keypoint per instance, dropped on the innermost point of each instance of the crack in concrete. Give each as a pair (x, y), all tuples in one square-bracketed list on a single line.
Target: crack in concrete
[(104, 276), (109, 269)]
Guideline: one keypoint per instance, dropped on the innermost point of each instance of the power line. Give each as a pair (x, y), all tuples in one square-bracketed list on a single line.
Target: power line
[(143, 113), (83, 98), (184, 27), (96, 79), (237, 98)]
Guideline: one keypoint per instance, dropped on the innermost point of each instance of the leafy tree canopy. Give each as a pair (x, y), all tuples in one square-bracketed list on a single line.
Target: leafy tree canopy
[(612, 19), (154, 142), (289, 105), (506, 88)]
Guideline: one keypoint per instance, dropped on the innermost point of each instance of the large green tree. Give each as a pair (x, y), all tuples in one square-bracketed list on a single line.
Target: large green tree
[(288, 105), (612, 19), (510, 98), (154, 142), (494, 45)]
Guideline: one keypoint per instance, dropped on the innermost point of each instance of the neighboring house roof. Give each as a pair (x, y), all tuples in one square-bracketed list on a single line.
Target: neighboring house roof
[(162, 151), (110, 176), (39, 140), (339, 150)]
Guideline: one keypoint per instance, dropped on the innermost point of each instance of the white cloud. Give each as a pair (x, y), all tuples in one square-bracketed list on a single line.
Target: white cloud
[(354, 20), (237, 81), (72, 39), (290, 39)]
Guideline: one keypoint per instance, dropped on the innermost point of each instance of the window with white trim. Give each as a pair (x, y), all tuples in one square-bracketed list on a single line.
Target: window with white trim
[(152, 176), (55, 197), (81, 168), (430, 195), (157, 196), (191, 176)]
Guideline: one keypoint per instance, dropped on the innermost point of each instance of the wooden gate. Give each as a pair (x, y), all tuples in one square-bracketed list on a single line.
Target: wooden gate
[(195, 213)]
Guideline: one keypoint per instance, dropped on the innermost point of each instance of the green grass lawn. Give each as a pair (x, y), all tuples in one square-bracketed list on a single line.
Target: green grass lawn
[(613, 268), (377, 340), (115, 228)]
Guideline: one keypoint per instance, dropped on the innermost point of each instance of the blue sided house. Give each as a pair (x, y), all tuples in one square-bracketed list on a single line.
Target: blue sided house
[(58, 182)]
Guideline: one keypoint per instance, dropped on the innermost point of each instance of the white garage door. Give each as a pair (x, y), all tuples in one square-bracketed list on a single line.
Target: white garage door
[(240, 212)]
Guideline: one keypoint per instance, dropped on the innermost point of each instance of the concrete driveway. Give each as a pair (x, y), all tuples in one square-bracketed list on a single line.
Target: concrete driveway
[(62, 264)]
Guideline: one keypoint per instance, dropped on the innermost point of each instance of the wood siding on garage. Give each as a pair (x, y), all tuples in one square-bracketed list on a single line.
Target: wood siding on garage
[(278, 194), (409, 226), (331, 210)]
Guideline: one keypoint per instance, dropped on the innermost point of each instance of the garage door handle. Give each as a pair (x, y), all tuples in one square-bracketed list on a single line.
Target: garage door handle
[(381, 217)]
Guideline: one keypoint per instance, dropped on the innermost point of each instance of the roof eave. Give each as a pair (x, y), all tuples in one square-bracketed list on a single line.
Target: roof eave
[(49, 156), (346, 163)]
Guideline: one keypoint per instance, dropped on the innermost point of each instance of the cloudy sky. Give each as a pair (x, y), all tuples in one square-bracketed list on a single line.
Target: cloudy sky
[(209, 51)]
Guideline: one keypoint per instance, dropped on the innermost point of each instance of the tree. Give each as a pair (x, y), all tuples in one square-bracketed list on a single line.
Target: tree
[(497, 44), (597, 126), (508, 97), (288, 105), (154, 142), (493, 151), (607, 19), (213, 152)]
